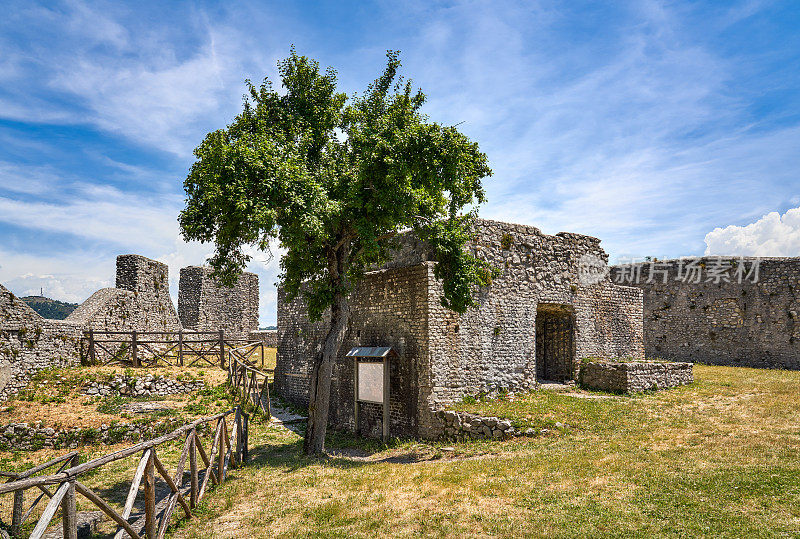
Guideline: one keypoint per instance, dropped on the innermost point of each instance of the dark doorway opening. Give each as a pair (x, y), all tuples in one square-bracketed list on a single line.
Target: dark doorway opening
[(555, 342)]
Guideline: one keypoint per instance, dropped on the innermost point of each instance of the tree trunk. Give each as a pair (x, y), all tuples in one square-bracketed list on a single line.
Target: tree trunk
[(320, 394)]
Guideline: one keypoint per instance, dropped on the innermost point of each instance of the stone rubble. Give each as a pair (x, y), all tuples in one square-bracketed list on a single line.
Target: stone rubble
[(31, 437), (145, 386)]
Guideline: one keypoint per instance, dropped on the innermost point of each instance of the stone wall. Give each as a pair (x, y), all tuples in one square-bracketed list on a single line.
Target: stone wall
[(634, 376), (493, 347), (718, 319), (140, 301), (269, 337), (388, 309), (29, 343), (205, 305), (32, 437), (490, 348), (465, 425), (146, 385)]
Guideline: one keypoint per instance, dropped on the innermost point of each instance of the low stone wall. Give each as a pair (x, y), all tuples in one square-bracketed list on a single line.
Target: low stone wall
[(466, 425), (146, 386), (27, 437), (267, 336), (633, 376)]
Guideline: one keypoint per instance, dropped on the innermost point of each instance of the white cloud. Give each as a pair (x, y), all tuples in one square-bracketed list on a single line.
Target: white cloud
[(68, 277), (772, 235), (153, 103), (130, 221)]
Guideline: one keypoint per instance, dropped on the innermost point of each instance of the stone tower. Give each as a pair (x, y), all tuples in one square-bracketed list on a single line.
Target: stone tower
[(205, 305)]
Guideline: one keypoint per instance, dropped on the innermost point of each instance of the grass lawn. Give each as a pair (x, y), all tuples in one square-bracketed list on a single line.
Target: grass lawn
[(720, 457)]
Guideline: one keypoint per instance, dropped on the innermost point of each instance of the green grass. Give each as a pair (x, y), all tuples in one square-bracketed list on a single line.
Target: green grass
[(718, 458)]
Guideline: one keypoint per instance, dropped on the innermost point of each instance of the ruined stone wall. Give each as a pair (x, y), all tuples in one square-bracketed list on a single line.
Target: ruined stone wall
[(488, 348), (720, 320), (388, 309), (140, 301), (204, 305), (269, 337), (493, 347), (634, 376), (29, 343)]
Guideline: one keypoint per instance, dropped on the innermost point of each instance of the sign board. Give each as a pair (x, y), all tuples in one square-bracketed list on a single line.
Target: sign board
[(370, 381)]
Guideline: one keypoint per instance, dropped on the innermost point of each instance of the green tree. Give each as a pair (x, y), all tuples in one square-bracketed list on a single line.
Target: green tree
[(334, 179)]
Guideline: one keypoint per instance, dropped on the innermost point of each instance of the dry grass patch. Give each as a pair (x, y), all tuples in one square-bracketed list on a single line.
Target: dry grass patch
[(55, 398), (720, 457)]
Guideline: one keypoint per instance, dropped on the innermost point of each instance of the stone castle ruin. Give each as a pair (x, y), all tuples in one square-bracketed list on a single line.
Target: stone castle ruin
[(139, 302), (205, 305), (720, 310), (534, 322)]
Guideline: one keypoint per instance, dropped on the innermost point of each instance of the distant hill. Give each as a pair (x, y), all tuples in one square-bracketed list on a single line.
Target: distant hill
[(50, 308)]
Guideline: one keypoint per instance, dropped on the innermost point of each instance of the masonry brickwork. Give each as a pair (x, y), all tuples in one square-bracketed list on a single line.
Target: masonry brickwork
[(634, 376), (29, 343), (205, 305), (141, 302), (269, 337), (751, 324), (445, 356)]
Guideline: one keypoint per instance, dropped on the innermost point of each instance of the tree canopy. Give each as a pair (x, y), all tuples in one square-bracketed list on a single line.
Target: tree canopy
[(316, 170)]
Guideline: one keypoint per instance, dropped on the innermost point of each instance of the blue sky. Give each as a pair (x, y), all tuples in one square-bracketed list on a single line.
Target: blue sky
[(664, 128)]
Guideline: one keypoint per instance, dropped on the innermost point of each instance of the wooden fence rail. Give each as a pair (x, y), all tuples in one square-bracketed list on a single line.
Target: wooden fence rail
[(154, 348), (249, 382), (229, 448)]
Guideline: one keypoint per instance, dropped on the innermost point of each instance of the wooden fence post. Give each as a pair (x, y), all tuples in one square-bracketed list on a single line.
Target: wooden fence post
[(193, 468), (222, 348), (180, 347), (16, 515), (134, 346), (150, 528), (221, 453), (92, 354), (238, 419), (245, 436), (69, 517)]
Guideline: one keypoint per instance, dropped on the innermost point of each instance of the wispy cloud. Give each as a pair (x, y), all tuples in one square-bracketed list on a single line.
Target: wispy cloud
[(99, 213), (644, 123)]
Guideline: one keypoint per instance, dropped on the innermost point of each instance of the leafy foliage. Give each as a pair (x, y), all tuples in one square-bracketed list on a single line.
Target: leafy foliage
[(335, 180)]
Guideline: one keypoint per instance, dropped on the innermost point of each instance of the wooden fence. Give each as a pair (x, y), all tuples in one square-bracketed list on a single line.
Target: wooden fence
[(228, 449), (18, 513), (154, 348), (249, 382)]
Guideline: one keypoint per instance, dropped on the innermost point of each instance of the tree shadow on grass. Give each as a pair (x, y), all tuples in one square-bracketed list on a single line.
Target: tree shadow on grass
[(344, 451)]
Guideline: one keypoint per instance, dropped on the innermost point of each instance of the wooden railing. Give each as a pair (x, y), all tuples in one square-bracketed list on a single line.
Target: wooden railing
[(228, 449), (250, 383), (154, 348), (18, 512)]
